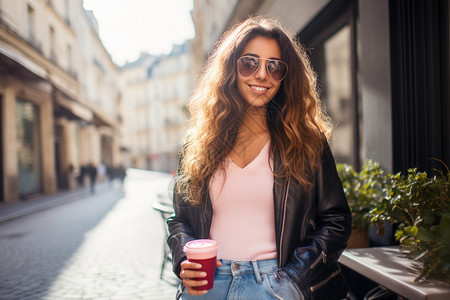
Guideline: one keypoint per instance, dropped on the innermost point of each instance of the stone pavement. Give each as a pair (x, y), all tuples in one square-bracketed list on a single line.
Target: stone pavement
[(11, 211), (80, 246)]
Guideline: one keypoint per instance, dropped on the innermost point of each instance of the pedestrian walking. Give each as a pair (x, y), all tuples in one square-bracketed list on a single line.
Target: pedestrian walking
[(257, 175), (110, 172), (92, 173), (121, 174), (82, 174)]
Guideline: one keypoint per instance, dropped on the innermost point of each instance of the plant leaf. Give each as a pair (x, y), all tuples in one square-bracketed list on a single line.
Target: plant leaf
[(424, 235)]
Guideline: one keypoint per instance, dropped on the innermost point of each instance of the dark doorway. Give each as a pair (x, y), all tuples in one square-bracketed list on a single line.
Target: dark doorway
[(1, 150), (61, 177), (106, 148)]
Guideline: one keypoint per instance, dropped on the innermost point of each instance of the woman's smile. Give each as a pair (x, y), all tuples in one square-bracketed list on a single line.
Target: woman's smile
[(259, 89)]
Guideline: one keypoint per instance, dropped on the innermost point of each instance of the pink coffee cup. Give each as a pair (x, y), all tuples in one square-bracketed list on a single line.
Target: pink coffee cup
[(203, 252)]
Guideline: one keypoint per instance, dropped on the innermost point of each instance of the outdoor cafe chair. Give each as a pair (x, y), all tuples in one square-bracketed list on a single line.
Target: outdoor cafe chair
[(165, 211)]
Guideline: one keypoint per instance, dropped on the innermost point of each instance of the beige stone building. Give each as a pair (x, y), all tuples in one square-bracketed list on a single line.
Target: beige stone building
[(154, 92), (59, 97)]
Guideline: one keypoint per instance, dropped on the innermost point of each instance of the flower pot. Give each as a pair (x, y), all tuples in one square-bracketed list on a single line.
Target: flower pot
[(359, 238)]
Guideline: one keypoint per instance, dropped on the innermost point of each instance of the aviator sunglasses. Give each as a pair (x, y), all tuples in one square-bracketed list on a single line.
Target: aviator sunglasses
[(248, 65)]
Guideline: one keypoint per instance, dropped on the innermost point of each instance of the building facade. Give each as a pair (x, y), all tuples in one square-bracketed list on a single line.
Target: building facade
[(59, 98), (382, 68), (155, 91)]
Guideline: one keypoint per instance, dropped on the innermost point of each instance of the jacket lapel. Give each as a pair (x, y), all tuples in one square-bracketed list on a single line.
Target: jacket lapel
[(279, 196)]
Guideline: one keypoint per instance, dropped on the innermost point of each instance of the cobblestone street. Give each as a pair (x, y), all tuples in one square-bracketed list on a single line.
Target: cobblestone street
[(103, 246)]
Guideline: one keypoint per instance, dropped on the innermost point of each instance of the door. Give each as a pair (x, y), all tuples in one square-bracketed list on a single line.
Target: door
[(1, 150)]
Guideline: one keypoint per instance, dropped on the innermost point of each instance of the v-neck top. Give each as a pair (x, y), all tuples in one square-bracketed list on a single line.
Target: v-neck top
[(243, 213)]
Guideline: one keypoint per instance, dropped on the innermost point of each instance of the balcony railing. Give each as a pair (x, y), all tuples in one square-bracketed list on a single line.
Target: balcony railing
[(12, 25), (72, 73), (52, 57), (9, 23), (61, 15), (35, 44)]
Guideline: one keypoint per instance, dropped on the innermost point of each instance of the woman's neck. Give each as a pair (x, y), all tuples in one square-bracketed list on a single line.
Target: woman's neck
[(254, 122), (252, 136)]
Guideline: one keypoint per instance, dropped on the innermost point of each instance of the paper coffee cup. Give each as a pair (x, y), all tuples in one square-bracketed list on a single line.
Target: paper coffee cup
[(203, 252)]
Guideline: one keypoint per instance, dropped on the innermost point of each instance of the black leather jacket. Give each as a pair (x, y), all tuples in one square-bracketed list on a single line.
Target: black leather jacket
[(311, 230)]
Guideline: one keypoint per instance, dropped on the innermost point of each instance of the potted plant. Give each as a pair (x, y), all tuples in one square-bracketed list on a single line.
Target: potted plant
[(364, 192), (420, 205)]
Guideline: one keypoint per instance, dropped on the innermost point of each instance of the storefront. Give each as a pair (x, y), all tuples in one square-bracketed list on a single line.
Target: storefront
[(1, 150), (383, 70), (28, 148)]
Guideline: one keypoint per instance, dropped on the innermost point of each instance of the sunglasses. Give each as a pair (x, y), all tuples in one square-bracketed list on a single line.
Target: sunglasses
[(248, 65)]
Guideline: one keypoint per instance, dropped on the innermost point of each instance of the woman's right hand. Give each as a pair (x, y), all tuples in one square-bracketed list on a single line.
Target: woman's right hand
[(191, 270)]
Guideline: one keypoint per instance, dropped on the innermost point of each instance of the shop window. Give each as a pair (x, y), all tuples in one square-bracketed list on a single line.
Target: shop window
[(337, 93), (333, 50), (28, 147)]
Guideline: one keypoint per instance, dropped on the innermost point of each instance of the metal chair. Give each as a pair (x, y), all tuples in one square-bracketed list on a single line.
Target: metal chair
[(165, 210)]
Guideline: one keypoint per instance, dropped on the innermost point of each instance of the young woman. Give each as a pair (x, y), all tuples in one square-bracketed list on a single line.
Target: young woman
[(257, 175)]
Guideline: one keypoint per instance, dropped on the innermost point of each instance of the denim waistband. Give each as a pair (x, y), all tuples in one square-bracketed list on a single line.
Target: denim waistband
[(256, 267)]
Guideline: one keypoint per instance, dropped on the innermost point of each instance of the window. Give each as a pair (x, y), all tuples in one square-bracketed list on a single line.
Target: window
[(69, 58), (51, 42), (30, 23), (336, 91), (330, 37), (67, 10)]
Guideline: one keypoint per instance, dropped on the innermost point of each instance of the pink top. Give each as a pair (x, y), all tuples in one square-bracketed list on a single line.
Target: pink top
[(243, 214)]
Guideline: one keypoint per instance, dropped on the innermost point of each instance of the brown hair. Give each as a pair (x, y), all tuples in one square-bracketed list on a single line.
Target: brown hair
[(296, 121)]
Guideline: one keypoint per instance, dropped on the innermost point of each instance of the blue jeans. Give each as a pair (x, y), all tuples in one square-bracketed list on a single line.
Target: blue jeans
[(245, 280)]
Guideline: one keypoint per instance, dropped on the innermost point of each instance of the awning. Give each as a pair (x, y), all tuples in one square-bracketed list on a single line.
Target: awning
[(21, 59), (71, 109), (103, 119)]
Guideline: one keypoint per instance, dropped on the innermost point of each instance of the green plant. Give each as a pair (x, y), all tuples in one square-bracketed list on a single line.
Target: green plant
[(363, 190), (420, 205)]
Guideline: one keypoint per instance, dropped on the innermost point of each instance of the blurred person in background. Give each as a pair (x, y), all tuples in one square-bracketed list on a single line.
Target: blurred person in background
[(92, 173), (257, 175), (121, 174)]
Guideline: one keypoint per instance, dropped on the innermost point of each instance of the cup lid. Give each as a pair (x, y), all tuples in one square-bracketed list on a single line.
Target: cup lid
[(201, 246)]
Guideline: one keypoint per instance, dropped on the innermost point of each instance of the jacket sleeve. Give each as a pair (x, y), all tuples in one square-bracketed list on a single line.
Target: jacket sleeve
[(180, 231), (316, 256)]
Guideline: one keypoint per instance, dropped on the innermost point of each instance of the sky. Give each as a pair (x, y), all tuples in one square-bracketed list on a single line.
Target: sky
[(129, 27)]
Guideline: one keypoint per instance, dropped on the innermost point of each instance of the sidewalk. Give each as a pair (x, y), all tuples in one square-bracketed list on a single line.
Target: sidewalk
[(107, 245), (11, 211)]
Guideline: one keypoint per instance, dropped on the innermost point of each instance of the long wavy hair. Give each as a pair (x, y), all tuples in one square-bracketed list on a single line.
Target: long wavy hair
[(296, 121)]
